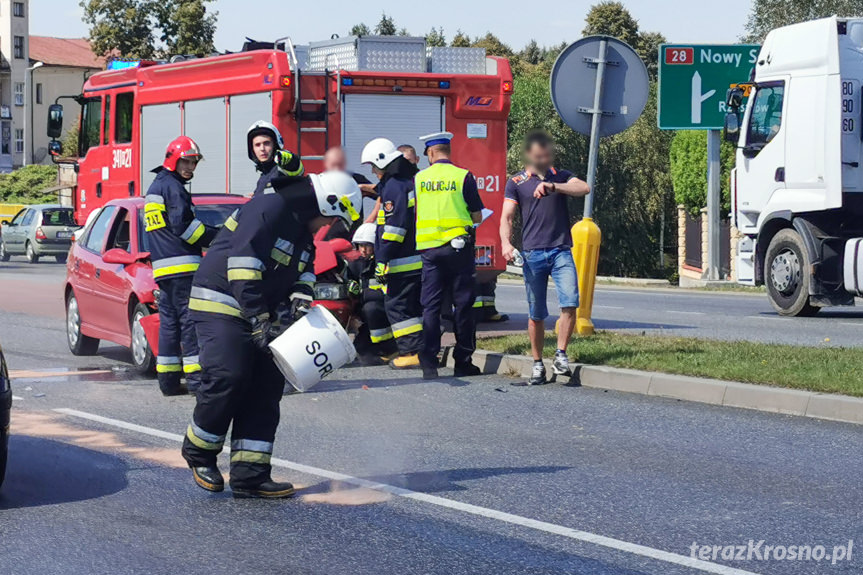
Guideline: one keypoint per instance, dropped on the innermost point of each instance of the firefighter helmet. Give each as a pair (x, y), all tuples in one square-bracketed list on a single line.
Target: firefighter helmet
[(262, 128), (338, 195), (182, 147), (365, 234), (380, 152)]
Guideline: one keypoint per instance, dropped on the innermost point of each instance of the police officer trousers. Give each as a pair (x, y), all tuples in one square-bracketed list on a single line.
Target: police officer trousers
[(178, 344), (404, 311), (375, 336), (447, 271), (240, 384)]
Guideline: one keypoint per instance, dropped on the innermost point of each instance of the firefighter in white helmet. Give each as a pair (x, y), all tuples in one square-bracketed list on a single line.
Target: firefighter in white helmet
[(267, 259), (398, 263), (374, 341), (267, 150)]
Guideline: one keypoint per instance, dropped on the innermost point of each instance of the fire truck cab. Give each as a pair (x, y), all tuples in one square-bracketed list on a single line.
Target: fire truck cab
[(341, 92)]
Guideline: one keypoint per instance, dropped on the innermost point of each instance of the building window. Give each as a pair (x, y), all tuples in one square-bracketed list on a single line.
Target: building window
[(18, 47), (19, 93), (18, 9), (39, 93), (19, 140)]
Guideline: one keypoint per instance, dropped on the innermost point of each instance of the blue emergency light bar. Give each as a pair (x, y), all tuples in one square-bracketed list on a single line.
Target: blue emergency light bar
[(123, 64)]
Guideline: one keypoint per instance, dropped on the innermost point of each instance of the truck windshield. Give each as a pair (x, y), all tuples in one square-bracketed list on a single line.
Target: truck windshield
[(766, 118)]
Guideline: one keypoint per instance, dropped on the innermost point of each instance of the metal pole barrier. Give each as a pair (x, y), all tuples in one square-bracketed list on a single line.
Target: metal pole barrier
[(714, 201), (593, 158)]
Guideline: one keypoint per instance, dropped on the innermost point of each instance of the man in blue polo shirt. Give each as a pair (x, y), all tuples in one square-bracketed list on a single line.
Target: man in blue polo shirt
[(540, 191)]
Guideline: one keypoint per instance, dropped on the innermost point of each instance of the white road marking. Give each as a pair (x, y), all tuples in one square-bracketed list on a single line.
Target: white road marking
[(687, 312), (768, 318), (16, 398), (585, 536), (851, 324)]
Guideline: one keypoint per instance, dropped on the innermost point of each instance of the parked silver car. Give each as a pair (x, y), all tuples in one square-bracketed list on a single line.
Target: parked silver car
[(36, 231)]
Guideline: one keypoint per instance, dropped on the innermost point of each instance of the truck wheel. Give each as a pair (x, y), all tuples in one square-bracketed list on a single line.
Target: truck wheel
[(785, 275), (142, 355), (79, 344)]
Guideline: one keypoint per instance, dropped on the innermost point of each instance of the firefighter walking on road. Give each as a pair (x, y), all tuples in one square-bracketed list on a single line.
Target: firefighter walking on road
[(398, 263), (247, 273), (448, 205), (175, 237)]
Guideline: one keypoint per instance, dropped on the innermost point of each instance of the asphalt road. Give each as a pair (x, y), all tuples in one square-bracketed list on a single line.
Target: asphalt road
[(398, 475)]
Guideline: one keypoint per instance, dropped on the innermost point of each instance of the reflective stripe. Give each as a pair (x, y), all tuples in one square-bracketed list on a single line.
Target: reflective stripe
[(242, 274), (176, 265), (167, 364), (200, 438), (394, 234), (168, 368), (412, 198), (213, 295), (280, 257), (379, 335), (251, 445), (203, 299), (407, 327), (191, 367), (382, 217), (246, 262), (304, 259), (307, 277), (191, 359), (193, 232), (407, 264), (483, 301), (250, 457), (155, 198), (231, 222), (436, 237)]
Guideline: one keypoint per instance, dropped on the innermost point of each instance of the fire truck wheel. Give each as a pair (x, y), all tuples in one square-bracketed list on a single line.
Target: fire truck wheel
[(785, 276), (142, 355)]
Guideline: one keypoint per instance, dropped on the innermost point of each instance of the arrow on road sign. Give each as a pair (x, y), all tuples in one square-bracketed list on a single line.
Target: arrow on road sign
[(698, 98)]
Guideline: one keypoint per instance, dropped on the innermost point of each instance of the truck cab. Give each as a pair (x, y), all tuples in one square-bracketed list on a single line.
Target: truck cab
[(797, 187)]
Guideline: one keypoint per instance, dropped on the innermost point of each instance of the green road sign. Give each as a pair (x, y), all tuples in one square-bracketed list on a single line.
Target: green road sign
[(694, 79)]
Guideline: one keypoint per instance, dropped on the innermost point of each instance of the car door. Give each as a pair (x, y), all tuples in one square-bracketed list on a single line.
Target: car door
[(11, 233), (84, 265), (111, 283), (25, 230)]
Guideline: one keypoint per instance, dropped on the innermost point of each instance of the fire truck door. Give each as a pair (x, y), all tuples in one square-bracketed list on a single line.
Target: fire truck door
[(400, 118)]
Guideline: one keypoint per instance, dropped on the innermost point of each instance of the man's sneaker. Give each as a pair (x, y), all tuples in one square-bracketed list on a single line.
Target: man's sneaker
[(266, 490), (561, 364), (209, 478), (537, 377)]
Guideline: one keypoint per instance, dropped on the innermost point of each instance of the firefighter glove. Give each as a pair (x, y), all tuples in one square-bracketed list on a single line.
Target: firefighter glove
[(354, 287), (263, 332), (381, 273), (301, 304)]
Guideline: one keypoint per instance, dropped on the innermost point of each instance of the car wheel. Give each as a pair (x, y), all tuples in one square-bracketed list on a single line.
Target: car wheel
[(142, 355), (785, 275), (79, 344), (4, 255), (61, 258), (31, 254)]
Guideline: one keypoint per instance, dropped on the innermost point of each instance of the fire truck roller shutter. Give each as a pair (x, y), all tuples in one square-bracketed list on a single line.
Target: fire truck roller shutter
[(159, 125), (206, 124), (245, 110), (397, 117)]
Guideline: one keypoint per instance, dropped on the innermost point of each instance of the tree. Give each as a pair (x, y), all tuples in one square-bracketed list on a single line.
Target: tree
[(386, 26), (689, 170), (460, 40), (769, 14), (404, 32), (493, 46), (532, 53), (612, 19), (436, 38), (648, 49), (26, 185), (187, 27), (360, 30)]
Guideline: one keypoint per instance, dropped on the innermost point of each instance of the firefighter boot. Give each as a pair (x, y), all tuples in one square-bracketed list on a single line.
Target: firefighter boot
[(406, 362), (209, 478), (267, 490)]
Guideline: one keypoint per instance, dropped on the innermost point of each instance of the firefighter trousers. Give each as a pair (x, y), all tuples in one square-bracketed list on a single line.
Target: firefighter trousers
[(178, 343), (375, 336), (448, 272), (403, 309), (240, 384)]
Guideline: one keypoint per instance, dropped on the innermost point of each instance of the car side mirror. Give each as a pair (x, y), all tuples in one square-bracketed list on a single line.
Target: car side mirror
[(118, 256), (734, 98), (731, 130), (4, 223), (55, 121), (55, 148)]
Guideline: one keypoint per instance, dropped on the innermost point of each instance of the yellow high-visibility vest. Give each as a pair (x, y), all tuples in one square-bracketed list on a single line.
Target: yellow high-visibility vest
[(442, 213)]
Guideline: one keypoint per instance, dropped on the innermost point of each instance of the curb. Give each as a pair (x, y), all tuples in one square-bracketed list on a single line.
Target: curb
[(710, 391)]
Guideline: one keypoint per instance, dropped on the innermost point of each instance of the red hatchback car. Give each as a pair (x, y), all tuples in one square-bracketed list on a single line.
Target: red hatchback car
[(109, 279)]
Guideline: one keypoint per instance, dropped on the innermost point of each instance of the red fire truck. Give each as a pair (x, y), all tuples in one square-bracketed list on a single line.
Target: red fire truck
[(339, 92)]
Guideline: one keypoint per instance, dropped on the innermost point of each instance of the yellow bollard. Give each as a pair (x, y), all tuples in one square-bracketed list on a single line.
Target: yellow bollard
[(586, 238)]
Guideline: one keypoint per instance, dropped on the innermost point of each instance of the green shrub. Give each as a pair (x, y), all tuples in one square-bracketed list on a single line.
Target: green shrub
[(26, 185)]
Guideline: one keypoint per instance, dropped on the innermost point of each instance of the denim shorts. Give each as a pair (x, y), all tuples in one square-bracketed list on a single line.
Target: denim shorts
[(538, 266)]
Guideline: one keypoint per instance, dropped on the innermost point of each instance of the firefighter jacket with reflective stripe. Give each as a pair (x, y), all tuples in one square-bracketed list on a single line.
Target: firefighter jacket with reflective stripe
[(292, 167), (442, 212), (362, 270), (174, 235), (264, 260), (395, 240)]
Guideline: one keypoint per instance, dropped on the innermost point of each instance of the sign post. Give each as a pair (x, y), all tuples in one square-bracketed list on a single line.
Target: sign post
[(693, 81), (599, 87)]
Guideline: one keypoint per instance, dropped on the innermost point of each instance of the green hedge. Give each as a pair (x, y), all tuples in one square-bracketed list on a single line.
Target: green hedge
[(26, 185)]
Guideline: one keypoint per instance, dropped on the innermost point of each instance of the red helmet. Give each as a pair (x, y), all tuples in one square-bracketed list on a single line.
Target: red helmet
[(182, 147)]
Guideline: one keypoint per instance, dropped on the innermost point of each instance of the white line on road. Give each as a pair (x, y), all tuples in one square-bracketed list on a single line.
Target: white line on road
[(852, 324), (585, 536), (771, 318), (16, 398), (687, 312)]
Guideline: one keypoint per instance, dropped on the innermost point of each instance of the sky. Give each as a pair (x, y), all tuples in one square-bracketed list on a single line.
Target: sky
[(547, 21)]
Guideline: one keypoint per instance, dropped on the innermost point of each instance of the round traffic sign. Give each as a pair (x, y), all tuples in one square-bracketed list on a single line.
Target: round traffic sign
[(625, 85)]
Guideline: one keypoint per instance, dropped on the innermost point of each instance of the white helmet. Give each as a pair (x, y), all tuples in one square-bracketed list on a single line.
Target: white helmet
[(338, 195), (380, 152), (365, 234), (262, 128)]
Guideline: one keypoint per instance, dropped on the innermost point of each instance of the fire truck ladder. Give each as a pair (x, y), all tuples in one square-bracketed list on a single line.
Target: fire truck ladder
[(312, 115)]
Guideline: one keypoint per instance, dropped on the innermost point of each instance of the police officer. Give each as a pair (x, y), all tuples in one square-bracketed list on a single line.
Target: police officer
[(266, 150), (448, 205), (247, 273), (374, 340), (175, 237), (398, 263)]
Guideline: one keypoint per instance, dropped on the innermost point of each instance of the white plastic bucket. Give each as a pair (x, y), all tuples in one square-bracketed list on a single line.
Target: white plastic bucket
[(312, 348)]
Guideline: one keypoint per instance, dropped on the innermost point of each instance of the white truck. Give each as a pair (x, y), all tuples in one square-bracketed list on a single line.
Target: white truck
[(797, 188)]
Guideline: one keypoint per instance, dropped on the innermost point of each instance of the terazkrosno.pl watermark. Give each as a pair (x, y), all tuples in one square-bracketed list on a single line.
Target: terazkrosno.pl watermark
[(761, 551)]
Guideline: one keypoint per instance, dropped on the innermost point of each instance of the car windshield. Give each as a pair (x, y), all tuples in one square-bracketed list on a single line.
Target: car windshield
[(211, 214), (58, 217)]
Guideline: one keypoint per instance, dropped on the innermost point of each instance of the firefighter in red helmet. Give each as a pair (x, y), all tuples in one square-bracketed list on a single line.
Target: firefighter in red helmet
[(175, 237)]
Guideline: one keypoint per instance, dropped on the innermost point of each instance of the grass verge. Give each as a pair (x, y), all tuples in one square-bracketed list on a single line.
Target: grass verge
[(821, 369)]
